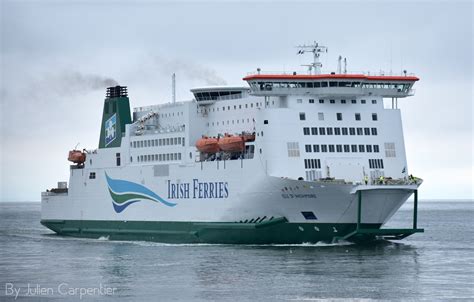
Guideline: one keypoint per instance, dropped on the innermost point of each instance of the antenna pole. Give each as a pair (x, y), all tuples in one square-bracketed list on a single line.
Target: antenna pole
[(339, 65), (173, 87)]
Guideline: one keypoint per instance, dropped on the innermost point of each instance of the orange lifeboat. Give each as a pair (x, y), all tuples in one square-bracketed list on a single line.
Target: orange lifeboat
[(77, 157), (231, 143), (207, 145)]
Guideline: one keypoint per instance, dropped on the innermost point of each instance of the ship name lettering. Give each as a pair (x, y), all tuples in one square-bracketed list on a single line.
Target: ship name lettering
[(200, 190)]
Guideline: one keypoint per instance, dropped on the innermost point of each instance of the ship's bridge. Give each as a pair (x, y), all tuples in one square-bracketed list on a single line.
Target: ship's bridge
[(209, 95), (331, 84)]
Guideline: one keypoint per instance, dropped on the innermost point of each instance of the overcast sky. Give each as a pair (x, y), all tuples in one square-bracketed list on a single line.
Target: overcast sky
[(58, 57)]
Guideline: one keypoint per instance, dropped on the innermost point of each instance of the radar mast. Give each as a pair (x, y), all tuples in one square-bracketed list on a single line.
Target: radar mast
[(316, 49)]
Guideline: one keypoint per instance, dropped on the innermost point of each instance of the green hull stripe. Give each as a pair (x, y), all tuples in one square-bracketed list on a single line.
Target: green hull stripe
[(278, 232)]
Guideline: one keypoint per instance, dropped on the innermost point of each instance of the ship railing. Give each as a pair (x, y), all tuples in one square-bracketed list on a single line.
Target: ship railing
[(49, 193), (305, 72), (372, 182)]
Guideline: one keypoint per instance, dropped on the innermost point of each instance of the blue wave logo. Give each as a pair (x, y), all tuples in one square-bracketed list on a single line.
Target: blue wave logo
[(125, 193)]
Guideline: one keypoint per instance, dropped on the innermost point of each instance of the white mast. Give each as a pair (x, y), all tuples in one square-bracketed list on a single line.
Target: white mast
[(316, 49), (339, 65), (173, 87)]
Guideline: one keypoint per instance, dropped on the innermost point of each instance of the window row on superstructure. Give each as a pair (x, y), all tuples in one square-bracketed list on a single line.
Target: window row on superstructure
[(242, 121), (339, 131), (270, 85), (339, 117), (234, 107), (170, 114), (158, 157), (333, 101), (354, 148), (170, 141), (315, 163)]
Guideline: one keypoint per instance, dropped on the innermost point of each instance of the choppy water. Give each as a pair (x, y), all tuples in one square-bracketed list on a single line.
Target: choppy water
[(436, 265)]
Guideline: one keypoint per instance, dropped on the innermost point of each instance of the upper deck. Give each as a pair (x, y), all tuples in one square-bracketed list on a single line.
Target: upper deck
[(343, 85)]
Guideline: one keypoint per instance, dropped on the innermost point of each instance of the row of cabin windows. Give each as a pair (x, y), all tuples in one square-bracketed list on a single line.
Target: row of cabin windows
[(312, 163), (170, 114), (171, 141), (342, 148), (158, 157), (357, 116), (236, 107), (322, 101), (242, 121), (339, 131)]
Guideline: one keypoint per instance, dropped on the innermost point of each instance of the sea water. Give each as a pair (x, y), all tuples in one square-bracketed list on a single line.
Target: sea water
[(36, 264)]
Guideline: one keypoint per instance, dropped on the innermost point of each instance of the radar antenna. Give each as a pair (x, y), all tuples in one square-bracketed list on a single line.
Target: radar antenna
[(316, 49)]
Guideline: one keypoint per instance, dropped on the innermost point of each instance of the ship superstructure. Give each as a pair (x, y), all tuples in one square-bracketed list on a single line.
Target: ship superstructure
[(290, 158)]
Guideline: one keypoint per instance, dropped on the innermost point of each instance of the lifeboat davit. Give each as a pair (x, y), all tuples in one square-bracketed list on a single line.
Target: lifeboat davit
[(208, 145), (77, 157), (230, 143), (248, 137)]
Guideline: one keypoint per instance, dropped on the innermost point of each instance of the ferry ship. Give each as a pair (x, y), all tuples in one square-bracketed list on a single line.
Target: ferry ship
[(290, 158)]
